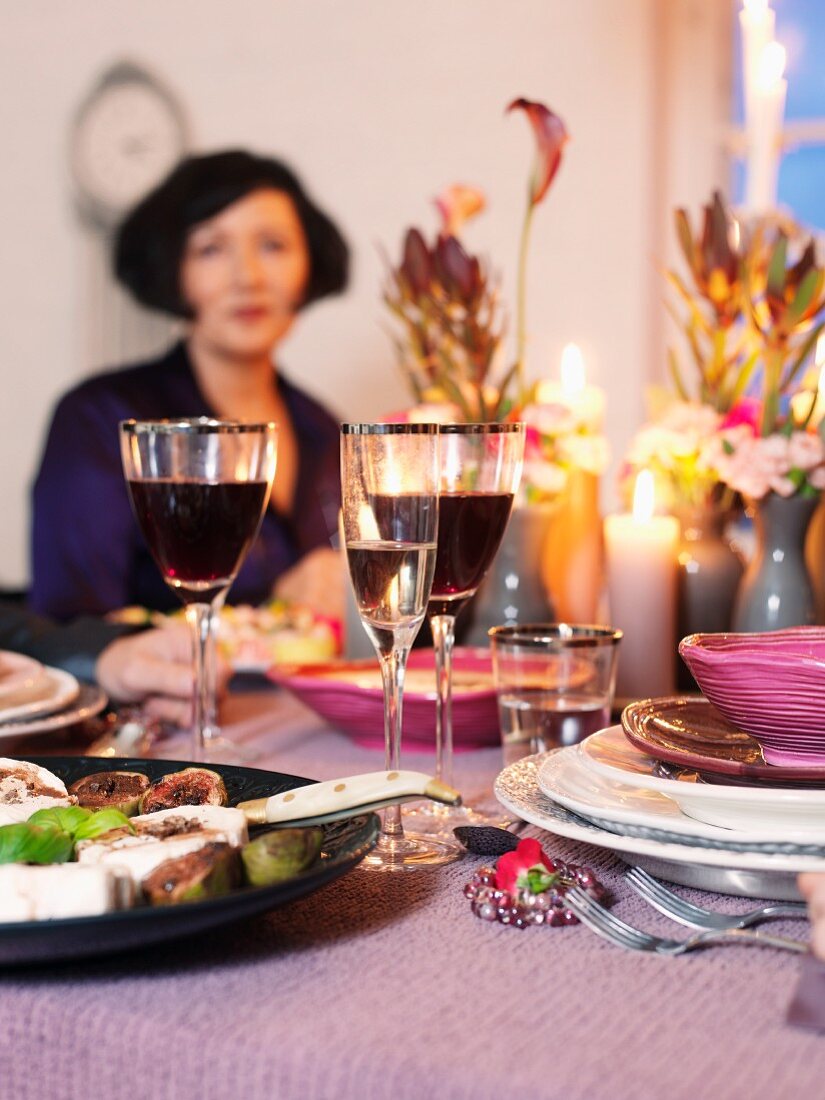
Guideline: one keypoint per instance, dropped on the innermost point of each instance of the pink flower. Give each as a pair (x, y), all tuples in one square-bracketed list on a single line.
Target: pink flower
[(456, 205), (551, 138), (748, 410), (525, 869)]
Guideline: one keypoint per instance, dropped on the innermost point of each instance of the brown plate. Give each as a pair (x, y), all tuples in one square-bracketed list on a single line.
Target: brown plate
[(690, 732)]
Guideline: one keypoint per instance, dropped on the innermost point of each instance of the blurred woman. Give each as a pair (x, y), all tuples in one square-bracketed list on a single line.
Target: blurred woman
[(231, 244)]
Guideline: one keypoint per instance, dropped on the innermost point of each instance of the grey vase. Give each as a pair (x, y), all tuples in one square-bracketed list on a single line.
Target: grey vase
[(513, 592), (709, 572), (776, 590)]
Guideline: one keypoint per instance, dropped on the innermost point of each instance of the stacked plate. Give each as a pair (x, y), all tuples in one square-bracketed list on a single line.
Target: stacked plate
[(35, 698), (684, 794)]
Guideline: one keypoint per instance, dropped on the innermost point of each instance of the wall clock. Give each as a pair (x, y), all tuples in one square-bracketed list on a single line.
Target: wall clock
[(127, 134)]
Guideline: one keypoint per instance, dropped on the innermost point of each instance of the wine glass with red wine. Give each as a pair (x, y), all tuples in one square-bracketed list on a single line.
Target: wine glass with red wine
[(199, 489), (389, 478), (480, 473)]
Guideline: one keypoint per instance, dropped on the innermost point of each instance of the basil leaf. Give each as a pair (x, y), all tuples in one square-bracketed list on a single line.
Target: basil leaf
[(101, 822), (67, 818), (25, 843)]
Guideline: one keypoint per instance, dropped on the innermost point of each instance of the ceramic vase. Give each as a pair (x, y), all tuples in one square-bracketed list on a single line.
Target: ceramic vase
[(573, 559), (513, 591), (708, 578), (776, 590)]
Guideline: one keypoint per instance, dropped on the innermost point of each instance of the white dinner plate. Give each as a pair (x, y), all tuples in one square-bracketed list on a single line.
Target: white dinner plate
[(59, 689), (91, 701), (753, 809), (19, 678), (619, 807), (747, 874)]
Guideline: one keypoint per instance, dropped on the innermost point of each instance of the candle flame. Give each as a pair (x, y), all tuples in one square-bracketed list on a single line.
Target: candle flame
[(757, 9), (735, 234), (643, 497), (572, 369), (771, 67)]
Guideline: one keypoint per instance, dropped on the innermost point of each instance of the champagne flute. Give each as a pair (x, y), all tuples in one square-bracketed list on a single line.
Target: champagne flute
[(389, 476), (199, 489), (480, 473)]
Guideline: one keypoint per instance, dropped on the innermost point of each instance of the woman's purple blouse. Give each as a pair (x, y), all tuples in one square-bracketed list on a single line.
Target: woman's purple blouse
[(89, 556)]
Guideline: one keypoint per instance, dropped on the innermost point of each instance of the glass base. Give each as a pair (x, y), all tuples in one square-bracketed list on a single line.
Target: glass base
[(411, 852), (435, 819), (220, 750)]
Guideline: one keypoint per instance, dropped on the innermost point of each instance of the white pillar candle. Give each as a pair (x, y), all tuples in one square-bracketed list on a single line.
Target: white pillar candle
[(758, 25), (765, 133), (641, 554), (585, 402)]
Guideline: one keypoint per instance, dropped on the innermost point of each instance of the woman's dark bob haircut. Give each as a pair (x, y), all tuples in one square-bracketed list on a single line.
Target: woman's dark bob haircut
[(149, 243)]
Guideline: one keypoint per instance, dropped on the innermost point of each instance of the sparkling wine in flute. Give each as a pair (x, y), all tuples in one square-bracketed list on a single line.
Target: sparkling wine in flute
[(391, 582)]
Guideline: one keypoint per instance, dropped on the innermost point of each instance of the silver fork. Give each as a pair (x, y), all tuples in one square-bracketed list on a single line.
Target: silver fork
[(609, 927), (694, 916)]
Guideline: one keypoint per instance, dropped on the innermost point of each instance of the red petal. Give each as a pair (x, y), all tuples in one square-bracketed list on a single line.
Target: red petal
[(551, 137)]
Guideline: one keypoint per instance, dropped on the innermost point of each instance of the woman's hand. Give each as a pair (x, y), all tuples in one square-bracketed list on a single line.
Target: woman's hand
[(316, 582), (812, 886), (154, 668)]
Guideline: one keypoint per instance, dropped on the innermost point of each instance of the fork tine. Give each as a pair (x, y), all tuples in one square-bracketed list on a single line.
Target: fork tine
[(601, 919), (668, 903), (655, 889)]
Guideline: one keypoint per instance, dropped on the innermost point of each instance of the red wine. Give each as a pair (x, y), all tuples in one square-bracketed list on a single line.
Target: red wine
[(470, 527), (198, 531)]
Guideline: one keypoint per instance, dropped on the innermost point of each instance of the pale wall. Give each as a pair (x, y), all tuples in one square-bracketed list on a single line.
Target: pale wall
[(379, 105)]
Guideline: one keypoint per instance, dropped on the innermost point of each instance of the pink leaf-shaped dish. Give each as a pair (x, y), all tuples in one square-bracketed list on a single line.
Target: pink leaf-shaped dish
[(771, 685)]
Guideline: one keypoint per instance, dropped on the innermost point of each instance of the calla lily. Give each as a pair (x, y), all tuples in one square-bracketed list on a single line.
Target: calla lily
[(551, 138), (459, 273), (456, 205)]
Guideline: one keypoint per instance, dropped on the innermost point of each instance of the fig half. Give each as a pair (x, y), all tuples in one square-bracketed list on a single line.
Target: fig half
[(111, 790), (280, 854), (208, 872), (191, 787)]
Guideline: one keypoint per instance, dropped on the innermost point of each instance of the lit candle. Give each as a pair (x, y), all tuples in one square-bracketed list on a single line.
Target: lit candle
[(641, 551), (765, 131), (808, 406), (586, 402), (758, 24)]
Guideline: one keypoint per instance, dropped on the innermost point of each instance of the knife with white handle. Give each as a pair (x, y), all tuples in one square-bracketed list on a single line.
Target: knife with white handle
[(333, 799)]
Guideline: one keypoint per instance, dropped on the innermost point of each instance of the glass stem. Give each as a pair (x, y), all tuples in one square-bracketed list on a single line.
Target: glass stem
[(393, 670), (443, 631), (199, 616), (211, 729)]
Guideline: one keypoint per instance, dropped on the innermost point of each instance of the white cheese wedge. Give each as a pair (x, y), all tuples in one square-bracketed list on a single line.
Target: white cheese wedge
[(138, 856), (231, 823), (26, 787), (60, 890)]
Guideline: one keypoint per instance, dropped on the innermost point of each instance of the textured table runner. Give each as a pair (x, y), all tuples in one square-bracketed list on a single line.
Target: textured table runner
[(387, 987)]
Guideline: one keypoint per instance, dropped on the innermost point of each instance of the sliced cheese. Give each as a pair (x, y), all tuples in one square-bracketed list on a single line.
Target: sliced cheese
[(231, 823), (60, 890), (26, 787), (137, 856)]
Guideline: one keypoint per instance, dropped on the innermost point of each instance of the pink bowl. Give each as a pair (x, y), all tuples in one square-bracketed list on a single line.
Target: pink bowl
[(771, 685), (348, 695)]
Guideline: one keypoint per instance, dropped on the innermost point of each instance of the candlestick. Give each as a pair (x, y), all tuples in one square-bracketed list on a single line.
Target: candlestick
[(641, 580), (585, 402)]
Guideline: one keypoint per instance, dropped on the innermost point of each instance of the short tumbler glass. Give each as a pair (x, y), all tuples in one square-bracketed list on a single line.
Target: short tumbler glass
[(554, 683)]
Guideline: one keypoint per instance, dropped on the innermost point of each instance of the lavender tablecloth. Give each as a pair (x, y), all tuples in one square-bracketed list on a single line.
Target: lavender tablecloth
[(386, 986)]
